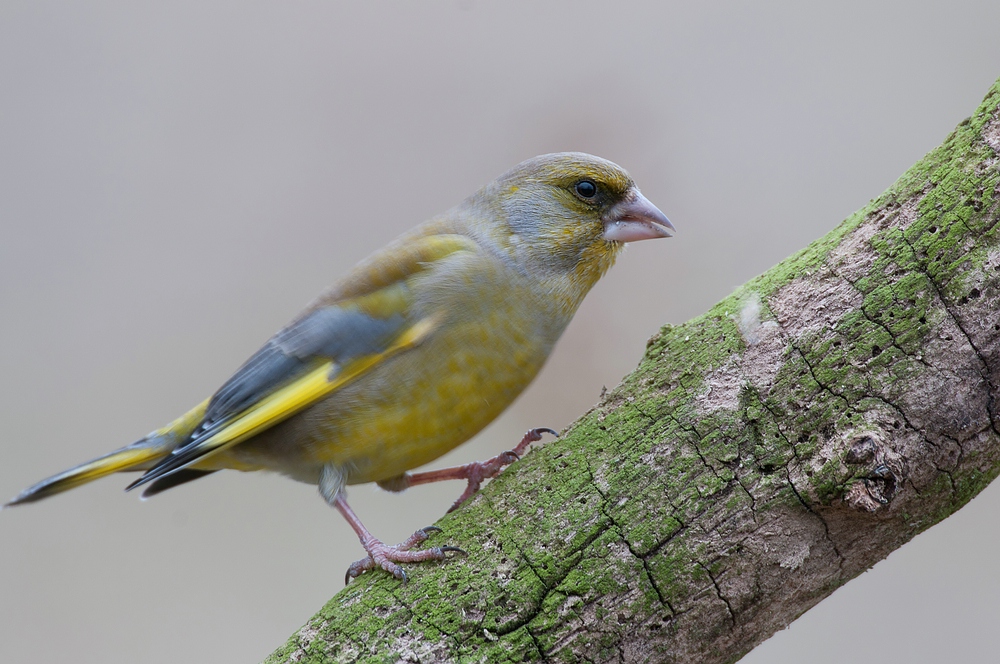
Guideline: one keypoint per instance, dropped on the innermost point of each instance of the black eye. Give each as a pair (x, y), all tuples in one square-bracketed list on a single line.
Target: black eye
[(586, 189)]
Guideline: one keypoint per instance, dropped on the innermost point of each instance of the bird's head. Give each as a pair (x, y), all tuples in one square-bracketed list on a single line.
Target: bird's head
[(570, 213)]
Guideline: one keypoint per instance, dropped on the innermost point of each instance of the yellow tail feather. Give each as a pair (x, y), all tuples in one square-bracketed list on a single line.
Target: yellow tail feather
[(140, 455), (132, 457)]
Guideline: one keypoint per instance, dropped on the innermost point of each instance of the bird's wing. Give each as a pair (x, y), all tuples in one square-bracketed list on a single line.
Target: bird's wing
[(321, 351)]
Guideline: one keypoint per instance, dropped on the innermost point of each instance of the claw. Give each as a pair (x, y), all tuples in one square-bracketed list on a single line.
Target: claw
[(357, 568), (387, 557), (532, 436)]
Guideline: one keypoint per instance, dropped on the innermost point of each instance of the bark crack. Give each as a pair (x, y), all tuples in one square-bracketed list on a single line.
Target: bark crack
[(534, 640), (812, 372), (718, 592), (574, 556), (621, 533), (863, 309), (791, 484), (985, 373), (826, 526)]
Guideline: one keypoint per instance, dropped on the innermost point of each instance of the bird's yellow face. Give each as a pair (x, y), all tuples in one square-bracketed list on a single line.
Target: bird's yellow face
[(570, 214)]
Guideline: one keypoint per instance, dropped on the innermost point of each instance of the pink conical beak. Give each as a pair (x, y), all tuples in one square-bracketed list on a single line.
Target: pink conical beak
[(634, 219)]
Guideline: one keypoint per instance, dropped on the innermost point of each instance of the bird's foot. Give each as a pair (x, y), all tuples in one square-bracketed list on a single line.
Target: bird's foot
[(385, 556), (474, 473), (478, 471)]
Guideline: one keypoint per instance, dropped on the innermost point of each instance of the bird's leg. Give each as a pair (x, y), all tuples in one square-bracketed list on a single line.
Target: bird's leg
[(475, 473), (386, 556), (380, 554)]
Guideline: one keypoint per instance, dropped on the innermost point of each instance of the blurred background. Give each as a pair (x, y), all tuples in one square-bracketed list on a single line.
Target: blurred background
[(177, 181)]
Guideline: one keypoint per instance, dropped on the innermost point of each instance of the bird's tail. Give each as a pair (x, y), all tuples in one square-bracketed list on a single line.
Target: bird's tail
[(140, 455), (133, 457)]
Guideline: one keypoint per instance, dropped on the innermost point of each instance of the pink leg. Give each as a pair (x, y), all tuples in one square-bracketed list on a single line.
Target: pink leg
[(474, 472), (385, 556)]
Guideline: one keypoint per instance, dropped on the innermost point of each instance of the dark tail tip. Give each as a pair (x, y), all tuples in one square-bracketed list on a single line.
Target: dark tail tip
[(175, 479)]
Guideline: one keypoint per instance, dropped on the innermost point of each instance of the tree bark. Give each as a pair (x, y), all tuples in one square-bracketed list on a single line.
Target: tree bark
[(759, 457)]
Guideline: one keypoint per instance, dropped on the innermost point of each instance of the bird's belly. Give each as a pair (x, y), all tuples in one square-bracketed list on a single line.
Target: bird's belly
[(407, 411), (429, 417)]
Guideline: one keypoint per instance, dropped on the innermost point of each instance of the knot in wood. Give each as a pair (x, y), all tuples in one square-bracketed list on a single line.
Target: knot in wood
[(862, 451), (874, 488)]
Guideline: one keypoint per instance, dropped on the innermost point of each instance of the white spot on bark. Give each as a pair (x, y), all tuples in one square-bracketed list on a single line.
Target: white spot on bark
[(757, 365), (795, 555), (749, 321)]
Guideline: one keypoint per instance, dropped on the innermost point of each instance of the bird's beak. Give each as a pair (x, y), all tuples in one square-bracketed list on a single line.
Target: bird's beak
[(634, 219)]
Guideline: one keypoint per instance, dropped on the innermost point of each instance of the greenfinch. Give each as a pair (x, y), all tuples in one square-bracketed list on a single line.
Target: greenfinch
[(417, 349)]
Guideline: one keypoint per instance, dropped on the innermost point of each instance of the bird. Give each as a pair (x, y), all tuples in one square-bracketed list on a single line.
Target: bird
[(410, 354)]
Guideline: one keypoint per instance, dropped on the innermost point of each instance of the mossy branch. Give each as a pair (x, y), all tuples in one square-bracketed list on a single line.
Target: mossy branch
[(758, 458)]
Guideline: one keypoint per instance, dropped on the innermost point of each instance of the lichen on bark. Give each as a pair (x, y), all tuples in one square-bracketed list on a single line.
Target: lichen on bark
[(759, 457)]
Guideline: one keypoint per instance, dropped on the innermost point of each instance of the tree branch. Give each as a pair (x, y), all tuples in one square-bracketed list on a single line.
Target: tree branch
[(759, 457)]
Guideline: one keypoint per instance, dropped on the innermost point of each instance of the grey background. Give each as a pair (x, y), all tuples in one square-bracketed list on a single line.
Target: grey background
[(177, 181)]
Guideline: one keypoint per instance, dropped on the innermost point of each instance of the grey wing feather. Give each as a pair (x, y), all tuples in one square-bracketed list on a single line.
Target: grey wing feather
[(327, 333)]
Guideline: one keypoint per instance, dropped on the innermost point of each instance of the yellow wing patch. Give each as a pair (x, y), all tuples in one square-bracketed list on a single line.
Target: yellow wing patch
[(307, 390)]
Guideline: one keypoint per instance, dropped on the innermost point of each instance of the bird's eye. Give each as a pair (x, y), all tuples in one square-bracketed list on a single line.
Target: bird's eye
[(586, 189)]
